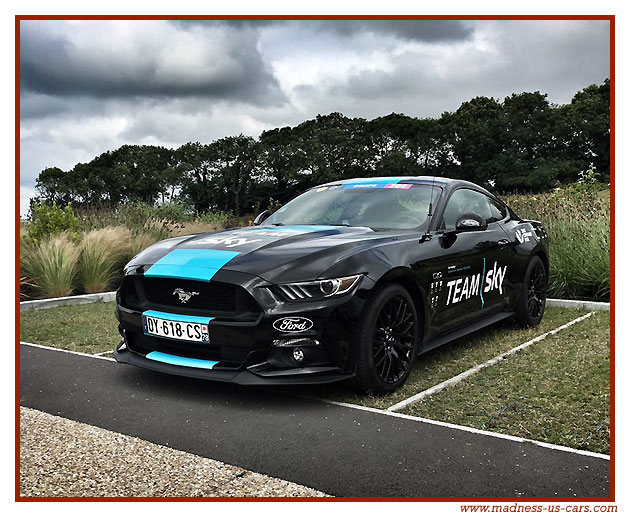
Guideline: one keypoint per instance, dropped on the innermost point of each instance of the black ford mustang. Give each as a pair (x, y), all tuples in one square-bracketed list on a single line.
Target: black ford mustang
[(350, 280)]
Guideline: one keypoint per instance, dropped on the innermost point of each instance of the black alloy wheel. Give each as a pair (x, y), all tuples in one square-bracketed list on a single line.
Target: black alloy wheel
[(394, 338), (537, 291), (531, 304), (387, 341)]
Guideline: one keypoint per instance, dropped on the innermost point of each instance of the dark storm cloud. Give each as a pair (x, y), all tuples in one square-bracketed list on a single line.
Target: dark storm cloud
[(213, 63), (34, 105), (509, 57), (417, 30), (235, 24)]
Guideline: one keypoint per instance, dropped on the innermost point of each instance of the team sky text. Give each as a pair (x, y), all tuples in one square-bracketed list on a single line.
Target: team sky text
[(464, 288)]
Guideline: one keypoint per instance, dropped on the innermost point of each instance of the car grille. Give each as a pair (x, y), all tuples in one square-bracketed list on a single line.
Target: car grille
[(211, 296), (219, 299)]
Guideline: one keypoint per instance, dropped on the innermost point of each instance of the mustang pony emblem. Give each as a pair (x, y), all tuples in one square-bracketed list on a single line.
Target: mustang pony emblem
[(184, 296)]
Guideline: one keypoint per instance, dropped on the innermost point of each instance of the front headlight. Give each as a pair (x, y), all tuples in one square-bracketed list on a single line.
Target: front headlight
[(317, 290)]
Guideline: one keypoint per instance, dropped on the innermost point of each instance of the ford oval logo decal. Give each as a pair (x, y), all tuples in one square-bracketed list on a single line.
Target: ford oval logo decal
[(293, 324)]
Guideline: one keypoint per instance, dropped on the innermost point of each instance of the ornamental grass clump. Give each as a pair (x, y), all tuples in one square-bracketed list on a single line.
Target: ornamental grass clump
[(579, 255), (578, 223), (51, 264), (103, 253), (140, 242)]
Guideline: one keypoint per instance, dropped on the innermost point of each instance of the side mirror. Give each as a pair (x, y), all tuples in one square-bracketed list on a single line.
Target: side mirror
[(261, 217), (470, 222)]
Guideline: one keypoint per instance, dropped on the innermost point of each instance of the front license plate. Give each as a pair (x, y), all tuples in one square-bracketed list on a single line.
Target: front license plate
[(183, 330)]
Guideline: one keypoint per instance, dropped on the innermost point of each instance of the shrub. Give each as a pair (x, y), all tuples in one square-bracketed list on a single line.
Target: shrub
[(195, 228), (588, 177), (102, 255), (51, 220), (51, 264), (219, 219), (138, 216)]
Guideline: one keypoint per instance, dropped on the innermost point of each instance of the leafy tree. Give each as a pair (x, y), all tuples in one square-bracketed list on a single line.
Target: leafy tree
[(526, 161), (196, 164), (281, 160), (219, 175), (476, 138), (55, 186), (238, 170), (387, 139), (584, 127), (334, 148), (522, 143), (145, 170)]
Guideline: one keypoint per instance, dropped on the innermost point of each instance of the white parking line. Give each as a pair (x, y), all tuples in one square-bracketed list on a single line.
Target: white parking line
[(107, 352), (458, 378), (93, 356), (461, 428)]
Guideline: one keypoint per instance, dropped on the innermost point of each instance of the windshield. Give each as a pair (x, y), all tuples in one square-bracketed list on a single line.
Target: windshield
[(393, 206)]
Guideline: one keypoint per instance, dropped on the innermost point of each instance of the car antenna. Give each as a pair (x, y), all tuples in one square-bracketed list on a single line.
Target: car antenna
[(426, 235)]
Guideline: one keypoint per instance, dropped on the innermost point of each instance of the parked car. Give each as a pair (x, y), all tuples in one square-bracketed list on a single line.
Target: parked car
[(350, 280)]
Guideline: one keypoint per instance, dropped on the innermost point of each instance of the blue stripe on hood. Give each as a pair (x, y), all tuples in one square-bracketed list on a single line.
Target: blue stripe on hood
[(191, 264)]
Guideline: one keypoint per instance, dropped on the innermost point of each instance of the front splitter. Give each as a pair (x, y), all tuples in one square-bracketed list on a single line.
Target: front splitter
[(257, 375)]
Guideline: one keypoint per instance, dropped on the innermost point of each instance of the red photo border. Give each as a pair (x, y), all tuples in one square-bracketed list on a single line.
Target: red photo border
[(610, 18)]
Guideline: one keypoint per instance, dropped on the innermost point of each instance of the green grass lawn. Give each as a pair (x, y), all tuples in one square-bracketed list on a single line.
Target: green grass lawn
[(91, 328), (448, 360), (556, 391)]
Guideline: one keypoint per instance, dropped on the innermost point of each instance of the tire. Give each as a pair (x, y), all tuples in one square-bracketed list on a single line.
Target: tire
[(387, 341), (531, 304)]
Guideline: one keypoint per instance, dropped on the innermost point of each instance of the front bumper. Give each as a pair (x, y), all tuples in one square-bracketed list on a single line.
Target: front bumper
[(252, 375), (242, 352)]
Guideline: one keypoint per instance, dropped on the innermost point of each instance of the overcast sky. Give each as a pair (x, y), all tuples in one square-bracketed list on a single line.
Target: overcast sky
[(91, 86)]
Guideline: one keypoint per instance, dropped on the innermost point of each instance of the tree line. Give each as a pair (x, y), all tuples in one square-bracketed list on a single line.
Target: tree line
[(523, 143)]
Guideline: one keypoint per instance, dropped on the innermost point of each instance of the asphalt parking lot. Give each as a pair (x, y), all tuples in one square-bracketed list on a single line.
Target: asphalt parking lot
[(339, 450)]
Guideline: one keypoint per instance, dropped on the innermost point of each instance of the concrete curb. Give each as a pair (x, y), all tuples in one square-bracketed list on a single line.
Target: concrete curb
[(33, 305), (578, 304)]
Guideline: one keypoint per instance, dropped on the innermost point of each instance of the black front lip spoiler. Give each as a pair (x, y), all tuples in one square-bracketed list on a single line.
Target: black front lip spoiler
[(250, 376)]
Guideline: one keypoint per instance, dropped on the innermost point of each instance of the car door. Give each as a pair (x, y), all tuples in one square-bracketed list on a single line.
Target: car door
[(474, 262), (509, 253)]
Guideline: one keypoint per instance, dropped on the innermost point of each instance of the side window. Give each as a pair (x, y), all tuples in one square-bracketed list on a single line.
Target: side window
[(465, 201), (498, 210)]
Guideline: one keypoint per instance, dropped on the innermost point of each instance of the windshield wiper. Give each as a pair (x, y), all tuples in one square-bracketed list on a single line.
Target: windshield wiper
[(277, 224)]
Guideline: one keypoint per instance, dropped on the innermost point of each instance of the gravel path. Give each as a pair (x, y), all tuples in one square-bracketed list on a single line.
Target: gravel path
[(60, 457)]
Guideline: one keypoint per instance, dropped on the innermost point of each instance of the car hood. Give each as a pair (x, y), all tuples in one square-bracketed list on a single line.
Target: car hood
[(273, 253)]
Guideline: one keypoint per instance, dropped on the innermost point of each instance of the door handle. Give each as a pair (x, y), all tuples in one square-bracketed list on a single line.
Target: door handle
[(503, 243)]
